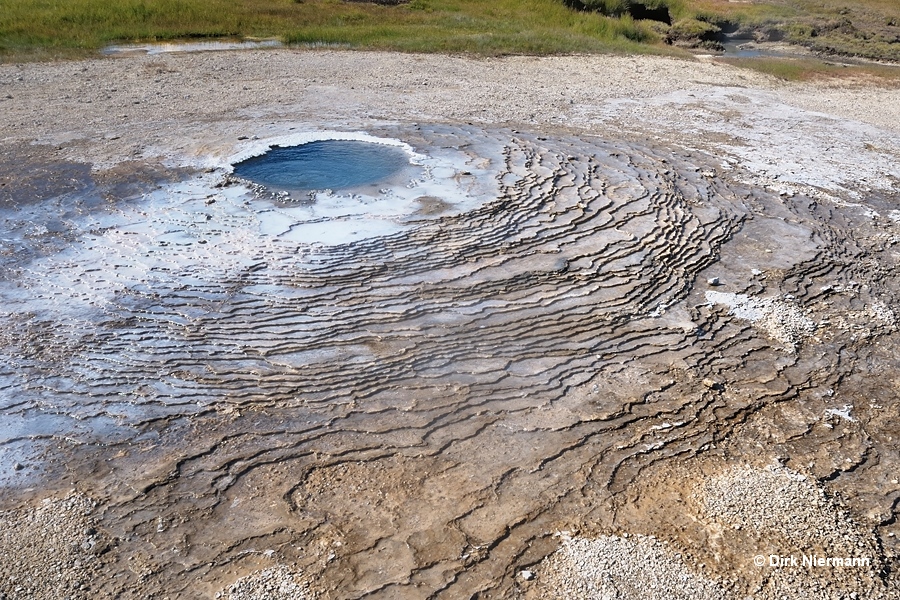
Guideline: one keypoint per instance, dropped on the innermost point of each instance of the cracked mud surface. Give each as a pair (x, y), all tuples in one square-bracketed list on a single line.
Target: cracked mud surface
[(651, 322)]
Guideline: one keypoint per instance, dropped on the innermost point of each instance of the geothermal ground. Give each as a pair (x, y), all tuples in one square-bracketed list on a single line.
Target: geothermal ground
[(627, 328)]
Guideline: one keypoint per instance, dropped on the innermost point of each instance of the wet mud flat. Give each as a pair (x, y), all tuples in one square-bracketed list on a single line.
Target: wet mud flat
[(628, 351)]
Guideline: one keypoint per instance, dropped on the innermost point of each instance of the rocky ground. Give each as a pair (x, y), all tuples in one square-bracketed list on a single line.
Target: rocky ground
[(630, 328)]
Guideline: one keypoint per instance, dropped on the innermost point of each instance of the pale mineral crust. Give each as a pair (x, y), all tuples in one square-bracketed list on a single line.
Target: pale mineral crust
[(631, 326)]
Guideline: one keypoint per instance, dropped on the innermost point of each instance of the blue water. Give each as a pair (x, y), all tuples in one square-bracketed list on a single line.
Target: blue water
[(326, 164)]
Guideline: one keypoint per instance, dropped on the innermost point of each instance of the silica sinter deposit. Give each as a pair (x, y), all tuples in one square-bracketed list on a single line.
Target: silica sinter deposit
[(618, 348)]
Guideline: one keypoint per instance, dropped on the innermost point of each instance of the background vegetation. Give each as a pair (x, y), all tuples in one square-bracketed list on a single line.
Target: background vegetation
[(470, 26), (52, 28), (864, 28)]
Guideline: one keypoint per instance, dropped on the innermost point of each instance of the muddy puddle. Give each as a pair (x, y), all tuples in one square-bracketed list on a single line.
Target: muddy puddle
[(411, 394)]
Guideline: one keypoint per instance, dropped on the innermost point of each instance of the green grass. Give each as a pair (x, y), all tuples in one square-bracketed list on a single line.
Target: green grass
[(487, 27), (866, 28), (39, 29), (815, 69)]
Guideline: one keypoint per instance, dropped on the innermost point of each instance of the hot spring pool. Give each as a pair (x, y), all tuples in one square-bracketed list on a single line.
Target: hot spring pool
[(324, 164)]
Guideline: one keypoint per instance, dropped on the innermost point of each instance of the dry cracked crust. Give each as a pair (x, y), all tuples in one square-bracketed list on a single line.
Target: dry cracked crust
[(661, 295)]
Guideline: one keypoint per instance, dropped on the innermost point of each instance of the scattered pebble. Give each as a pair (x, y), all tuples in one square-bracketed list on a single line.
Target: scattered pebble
[(55, 548), (627, 569), (276, 583)]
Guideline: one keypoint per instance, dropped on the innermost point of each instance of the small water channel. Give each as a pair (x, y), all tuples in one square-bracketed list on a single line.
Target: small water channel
[(174, 47), (746, 47)]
